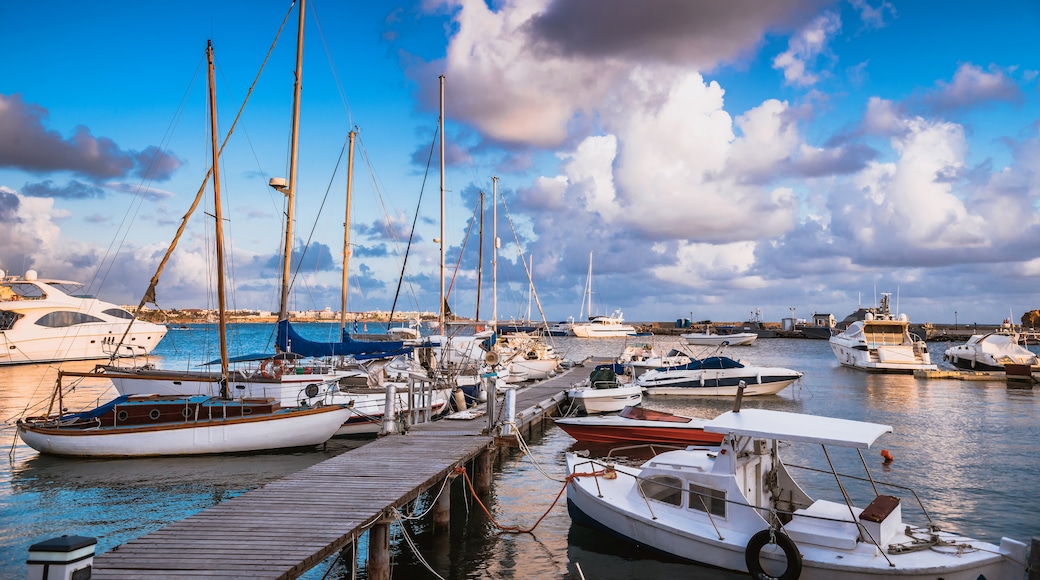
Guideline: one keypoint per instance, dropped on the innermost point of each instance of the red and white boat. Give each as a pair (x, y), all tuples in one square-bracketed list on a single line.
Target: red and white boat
[(639, 425)]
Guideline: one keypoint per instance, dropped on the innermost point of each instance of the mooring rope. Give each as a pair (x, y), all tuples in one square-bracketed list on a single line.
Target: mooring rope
[(518, 529)]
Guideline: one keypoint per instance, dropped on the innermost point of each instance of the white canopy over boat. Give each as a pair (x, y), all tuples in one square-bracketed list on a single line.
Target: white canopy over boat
[(796, 427)]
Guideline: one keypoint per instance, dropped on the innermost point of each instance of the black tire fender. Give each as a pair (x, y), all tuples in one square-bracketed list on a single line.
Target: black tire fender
[(754, 550)]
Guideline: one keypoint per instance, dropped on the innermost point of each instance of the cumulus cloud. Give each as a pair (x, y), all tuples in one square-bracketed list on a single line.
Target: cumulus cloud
[(805, 47), (26, 144), (873, 17), (972, 86)]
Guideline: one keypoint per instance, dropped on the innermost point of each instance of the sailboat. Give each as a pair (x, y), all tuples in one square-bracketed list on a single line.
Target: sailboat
[(293, 376), (150, 425), (612, 326)]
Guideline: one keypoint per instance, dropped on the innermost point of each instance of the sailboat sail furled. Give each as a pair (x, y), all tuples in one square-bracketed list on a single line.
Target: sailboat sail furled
[(289, 340)]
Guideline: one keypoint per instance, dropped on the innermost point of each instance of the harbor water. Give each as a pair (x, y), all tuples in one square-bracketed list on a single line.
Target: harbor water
[(969, 449)]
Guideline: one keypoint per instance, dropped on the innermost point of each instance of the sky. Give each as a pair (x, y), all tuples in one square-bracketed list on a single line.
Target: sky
[(710, 160)]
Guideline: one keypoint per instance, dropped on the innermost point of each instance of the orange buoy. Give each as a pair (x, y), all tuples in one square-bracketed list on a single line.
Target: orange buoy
[(888, 456)]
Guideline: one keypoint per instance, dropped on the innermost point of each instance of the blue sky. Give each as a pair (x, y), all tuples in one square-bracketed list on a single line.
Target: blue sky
[(714, 157)]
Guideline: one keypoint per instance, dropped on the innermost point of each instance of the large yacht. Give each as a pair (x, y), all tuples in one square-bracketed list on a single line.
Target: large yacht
[(603, 327), (882, 343), (44, 320)]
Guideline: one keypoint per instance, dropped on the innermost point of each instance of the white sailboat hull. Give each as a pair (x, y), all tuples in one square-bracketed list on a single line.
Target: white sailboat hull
[(281, 430), (703, 339)]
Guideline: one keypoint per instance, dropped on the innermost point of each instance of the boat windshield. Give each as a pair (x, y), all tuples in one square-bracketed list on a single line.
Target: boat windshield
[(71, 288), (23, 291)]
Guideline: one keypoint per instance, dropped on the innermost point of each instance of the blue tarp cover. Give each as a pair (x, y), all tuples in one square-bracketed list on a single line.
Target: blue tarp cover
[(290, 340)]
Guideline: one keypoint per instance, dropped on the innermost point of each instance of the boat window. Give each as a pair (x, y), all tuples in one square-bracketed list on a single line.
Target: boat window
[(663, 488), (7, 319), (119, 313), (63, 318), (714, 499), (73, 289), (884, 334), (27, 291)]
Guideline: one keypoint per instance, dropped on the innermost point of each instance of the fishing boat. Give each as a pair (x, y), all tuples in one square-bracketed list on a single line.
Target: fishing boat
[(882, 343), (134, 426), (739, 507), (990, 352), (639, 425), (718, 376), (47, 320), (603, 392)]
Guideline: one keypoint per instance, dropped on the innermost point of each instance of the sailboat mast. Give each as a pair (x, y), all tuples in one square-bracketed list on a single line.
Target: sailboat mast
[(480, 253), (290, 196), (217, 217), (442, 298), (494, 251), (346, 234)]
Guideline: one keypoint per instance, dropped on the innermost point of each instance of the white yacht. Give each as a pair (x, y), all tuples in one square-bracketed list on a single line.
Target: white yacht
[(882, 343), (44, 320), (612, 326)]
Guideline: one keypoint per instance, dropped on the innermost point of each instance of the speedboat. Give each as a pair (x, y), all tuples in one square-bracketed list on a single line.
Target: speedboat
[(716, 376), (603, 392), (639, 425), (738, 507), (882, 343), (46, 320), (989, 352), (612, 326), (715, 339)]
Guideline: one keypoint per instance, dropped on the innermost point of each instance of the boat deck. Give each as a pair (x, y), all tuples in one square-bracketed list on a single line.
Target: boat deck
[(286, 527)]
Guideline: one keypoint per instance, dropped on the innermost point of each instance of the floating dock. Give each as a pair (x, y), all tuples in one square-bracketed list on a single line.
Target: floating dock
[(287, 527)]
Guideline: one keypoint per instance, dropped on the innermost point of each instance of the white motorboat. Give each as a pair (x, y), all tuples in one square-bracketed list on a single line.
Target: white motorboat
[(604, 393), (612, 326), (146, 426), (739, 507), (714, 339), (716, 376), (642, 354), (882, 343), (45, 320), (990, 352)]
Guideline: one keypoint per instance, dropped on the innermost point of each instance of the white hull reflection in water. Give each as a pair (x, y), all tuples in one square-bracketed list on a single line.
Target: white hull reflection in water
[(958, 444)]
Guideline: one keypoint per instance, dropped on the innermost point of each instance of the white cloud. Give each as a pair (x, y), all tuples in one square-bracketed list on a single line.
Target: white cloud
[(805, 47)]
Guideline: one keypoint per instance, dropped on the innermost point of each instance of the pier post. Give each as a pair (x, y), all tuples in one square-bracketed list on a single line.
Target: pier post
[(1034, 559), (63, 558), (510, 413), (388, 410), (442, 508), (379, 551), (482, 477)]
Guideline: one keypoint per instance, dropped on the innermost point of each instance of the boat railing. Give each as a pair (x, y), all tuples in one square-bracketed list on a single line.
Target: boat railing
[(873, 481)]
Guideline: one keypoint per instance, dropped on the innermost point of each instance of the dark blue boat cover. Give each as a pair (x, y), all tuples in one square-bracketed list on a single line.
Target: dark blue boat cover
[(711, 362), (289, 340)]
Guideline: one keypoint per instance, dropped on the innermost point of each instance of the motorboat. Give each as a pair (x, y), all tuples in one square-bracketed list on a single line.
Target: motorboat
[(48, 320), (639, 425), (739, 507), (152, 425), (709, 338), (562, 328), (612, 326), (641, 353), (716, 376), (603, 392), (990, 352), (882, 343)]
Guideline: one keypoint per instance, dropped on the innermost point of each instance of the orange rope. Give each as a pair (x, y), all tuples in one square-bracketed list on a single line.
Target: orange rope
[(517, 529)]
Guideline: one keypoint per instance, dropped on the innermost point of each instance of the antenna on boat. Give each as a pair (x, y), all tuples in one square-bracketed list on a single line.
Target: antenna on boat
[(740, 395)]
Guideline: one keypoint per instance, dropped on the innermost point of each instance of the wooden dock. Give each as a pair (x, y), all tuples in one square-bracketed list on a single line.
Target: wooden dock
[(286, 527)]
